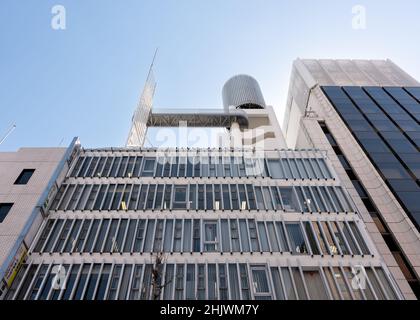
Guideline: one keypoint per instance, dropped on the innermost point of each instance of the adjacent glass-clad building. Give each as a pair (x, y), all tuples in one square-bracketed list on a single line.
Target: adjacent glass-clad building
[(365, 115)]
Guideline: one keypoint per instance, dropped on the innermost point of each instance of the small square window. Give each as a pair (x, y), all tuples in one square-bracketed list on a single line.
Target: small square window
[(4, 210), (24, 176)]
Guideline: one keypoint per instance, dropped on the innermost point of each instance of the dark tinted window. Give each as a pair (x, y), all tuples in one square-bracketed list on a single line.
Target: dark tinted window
[(4, 210), (24, 176)]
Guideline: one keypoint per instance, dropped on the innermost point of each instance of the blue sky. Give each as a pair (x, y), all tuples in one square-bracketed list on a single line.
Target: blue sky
[(85, 81)]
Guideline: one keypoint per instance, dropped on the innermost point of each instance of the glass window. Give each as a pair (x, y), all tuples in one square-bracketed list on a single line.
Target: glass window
[(275, 168), (359, 238), (71, 241), (217, 197), (70, 282), (147, 283), (53, 235), (311, 238), (386, 284), (305, 203), (196, 235), (223, 283), (180, 197), (130, 167), (77, 166), (117, 197), (168, 288), (210, 236), (190, 282), (242, 197), (275, 274), (92, 234), (148, 240), (251, 197), (201, 197), (297, 241), (179, 282), (142, 198), (289, 199), (63, 236), (281, 237), (187, 236), (288, 284), (158, 240), (234, 233), (234, 283), (244, 235), (110, 241), (339, 237), (81, 283), (193, 197), (212, 282), (148, 167), (263, 237), (226, 197), (83, 197), (315, 285), (107, 167), (24, 176), (84, 167), (225, 235), (138, 240), (168, 196), (82, 236), (150, 196), (260, 199), (132, 205), (136, 282), (167, 244), (260, 283), (253, 235), (300, 287), (276, 198), (130, 235), (177, 235), (115, 166), (201, 282), (91, 285), (272, 236), (209, 197), (107, 201), (235, 197), (342, 286), (244, 279)]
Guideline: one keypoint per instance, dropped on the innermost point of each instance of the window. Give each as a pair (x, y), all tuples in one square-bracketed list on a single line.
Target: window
[(4, 210), (297, 241), (180, 197), (275, 168), (24, 176), (289, 199), (288, 284), (210, 236), (260, 283), (315, 285), (148, 167)]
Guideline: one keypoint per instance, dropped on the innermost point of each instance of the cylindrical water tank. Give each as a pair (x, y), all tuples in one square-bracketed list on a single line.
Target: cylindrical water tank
[(242, 92)]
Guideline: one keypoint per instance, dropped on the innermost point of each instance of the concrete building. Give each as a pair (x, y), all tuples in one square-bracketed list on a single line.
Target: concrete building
[(365, 115), (28, 179), (253, 221)]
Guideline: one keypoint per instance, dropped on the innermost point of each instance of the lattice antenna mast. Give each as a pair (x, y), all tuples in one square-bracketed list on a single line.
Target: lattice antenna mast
[(138, 131)]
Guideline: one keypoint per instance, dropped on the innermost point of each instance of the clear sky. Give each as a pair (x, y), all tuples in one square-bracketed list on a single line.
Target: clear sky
[(85, 80)]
